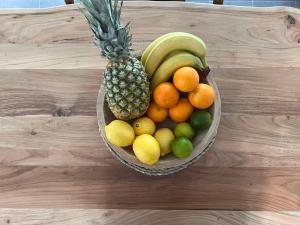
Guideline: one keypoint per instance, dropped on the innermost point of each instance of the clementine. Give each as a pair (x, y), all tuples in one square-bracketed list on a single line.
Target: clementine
[(182, 111), (166, 95), (156, 113), (186, 79), (202, 97)]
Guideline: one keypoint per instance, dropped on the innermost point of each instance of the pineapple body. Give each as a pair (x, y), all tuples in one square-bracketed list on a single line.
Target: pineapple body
[(126, 88), (126, 84)]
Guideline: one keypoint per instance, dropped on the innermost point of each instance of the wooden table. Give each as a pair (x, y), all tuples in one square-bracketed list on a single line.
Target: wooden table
[(51, 155)]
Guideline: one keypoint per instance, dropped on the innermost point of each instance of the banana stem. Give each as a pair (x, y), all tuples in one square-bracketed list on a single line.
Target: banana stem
[(205, 69), (204, 63)]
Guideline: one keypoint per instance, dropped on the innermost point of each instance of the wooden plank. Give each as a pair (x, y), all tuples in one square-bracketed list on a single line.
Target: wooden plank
[(235, 37), (272, 91), (120, 187), (146, 217), (56, 56), (52, 141), (267, 91), (242, 141), (50, 92)]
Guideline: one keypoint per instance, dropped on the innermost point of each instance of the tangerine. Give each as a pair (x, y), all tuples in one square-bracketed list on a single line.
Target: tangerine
[(166, 95), (186, 79), (182, 111), (202, 97), (156, 113)]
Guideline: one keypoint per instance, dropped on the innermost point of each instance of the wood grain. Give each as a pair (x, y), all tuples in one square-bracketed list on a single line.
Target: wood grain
[(146, 217), (236, 38), (118, 186), (243, 141), (243, 91), (60, 56), (51, 154), (58, 107), (49, 92)]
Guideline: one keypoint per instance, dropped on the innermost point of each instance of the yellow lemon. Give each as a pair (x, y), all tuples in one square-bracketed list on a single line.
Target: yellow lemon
[(144, 125), (164, 136), (119, 133), (146, 149)]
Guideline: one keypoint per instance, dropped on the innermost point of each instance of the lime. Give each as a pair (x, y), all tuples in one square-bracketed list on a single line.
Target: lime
[(184, 130), (182, 147), (119, 133), (164, 136), (146, 149), (200, 119), (144, 125)]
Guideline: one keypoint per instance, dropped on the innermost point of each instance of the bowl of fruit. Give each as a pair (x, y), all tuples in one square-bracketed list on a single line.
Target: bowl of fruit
[(160, 112)]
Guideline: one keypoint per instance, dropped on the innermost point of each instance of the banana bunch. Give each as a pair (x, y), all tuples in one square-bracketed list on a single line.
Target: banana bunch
[(172, 51)]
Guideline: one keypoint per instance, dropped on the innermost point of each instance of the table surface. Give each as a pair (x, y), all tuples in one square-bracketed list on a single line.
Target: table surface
[(51, 155)]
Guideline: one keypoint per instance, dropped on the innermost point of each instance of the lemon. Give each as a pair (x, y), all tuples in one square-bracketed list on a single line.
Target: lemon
[(144, 125), (164, 136), (119, 133), (146, 149)]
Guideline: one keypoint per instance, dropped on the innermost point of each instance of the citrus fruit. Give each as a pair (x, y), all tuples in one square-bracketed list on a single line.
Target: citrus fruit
[(156, 113), (202, 97), (146, 149), (166, 95), (184, 130), (186, 79), (119, 133), (200, 120), (182, 111), (143, 125), (164, 136), (182, 147)]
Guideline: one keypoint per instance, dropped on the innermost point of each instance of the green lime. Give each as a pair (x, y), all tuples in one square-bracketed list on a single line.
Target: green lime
[(182, 147), (200, 120), (184, 130)]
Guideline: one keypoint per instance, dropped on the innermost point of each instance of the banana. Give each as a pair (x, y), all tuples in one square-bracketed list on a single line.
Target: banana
[(174, 41), (166, 70), (151, 45), (171, 54)]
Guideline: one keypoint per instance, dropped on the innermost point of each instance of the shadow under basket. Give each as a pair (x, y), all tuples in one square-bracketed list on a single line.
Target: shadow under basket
[(168, 164)]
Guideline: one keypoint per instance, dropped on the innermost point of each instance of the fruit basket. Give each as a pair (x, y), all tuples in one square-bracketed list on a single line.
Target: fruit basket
[(159, 112), (169, 164)]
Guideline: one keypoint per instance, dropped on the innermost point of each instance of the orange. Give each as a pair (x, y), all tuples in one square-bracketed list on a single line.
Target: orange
[(156, 113), (166, 95), (202, 97), (186, 79), (182, 111)]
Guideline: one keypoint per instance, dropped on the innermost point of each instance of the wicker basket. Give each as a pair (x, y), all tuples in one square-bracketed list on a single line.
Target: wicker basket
[(168, 164)]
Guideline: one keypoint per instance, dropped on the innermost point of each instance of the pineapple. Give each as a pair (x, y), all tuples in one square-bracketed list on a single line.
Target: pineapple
[(126, 84)]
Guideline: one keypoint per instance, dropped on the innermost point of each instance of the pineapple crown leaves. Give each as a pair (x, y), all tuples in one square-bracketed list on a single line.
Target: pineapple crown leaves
[(104, 20)]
